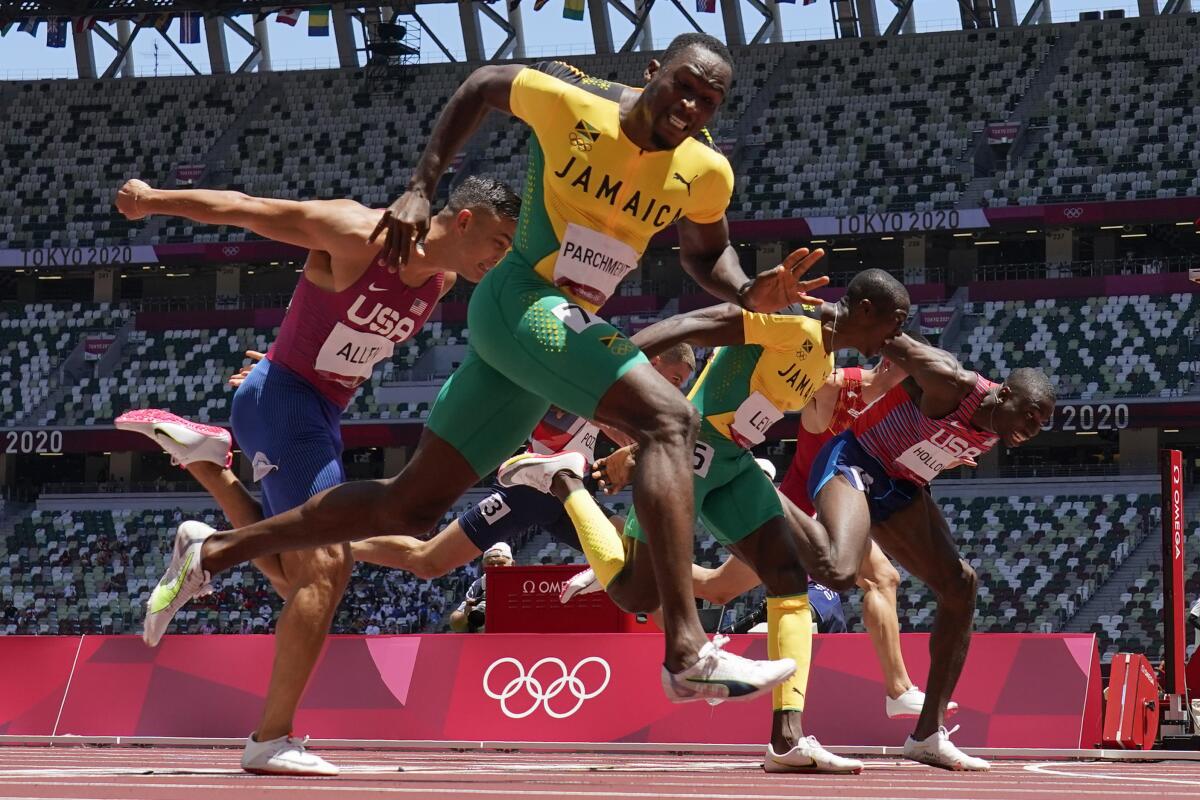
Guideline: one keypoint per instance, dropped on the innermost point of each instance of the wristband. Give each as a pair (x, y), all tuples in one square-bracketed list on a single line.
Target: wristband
[(741, 292)]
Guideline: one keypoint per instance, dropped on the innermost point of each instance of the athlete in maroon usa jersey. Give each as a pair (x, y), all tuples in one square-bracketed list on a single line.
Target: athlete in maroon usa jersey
[(871, 482), (348, 312)]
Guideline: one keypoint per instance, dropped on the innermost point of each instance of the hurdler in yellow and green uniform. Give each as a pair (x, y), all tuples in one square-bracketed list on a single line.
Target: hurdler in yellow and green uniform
[(742, 392), (592, 200)]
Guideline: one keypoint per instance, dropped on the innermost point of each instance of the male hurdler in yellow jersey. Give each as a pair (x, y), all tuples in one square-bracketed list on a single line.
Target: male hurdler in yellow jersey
[(591, 202), (610, 166)]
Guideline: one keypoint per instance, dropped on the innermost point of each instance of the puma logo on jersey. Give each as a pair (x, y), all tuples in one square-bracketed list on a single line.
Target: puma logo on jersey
[(382, 320), (686, 182)]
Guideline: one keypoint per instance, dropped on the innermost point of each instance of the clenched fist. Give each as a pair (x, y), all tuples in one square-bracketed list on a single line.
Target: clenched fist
[(128, 196)]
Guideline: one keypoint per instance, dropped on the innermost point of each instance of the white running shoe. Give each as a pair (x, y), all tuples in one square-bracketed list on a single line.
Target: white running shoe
[(939, 751), (909, 704), (718, 676), (185, 441), (538, 471), (809, 756), (584, 582), (183, 580), (284, 756)]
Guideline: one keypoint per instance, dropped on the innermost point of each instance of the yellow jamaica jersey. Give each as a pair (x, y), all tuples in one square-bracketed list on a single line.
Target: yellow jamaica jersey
[(592, 199), (747, 388)]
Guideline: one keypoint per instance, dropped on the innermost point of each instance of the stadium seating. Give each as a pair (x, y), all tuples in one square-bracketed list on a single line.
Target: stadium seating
[(60, 184), (90, 571), (1039, 558), (883, 124), (1117, 346), (34, 341), (1137, 625), (1120, 121), (834, 128)]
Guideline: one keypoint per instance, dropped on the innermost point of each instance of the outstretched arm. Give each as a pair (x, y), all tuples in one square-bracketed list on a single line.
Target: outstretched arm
[(938, 374), (707, 255), (407, 219), (715, 326), (337, 227)]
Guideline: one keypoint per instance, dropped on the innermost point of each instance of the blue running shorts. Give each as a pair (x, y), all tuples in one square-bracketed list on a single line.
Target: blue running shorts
[(291, 433), (843, 455)]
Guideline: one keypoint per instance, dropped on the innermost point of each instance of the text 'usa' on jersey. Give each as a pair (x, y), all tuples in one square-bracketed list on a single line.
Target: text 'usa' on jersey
[(745, 389), (592, 198)]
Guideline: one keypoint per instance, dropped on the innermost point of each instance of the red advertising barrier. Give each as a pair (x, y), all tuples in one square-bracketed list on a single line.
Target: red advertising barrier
[(34, 673), (1017, 690), (526, 600)]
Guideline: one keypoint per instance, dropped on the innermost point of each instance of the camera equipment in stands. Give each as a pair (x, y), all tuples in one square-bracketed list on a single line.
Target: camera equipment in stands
[(392, 44)]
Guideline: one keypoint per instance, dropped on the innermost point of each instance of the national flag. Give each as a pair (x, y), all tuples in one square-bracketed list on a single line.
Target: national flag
[(30, 25), (288, 16), (189, 27), (56, 32), (318, 21), (418, 307), (573, 9), (83, 24), (706, 6)]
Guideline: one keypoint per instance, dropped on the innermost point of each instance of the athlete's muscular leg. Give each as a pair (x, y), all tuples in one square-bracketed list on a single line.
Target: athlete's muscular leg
[(919, 538), (879, 581), (319, 579), (834, 544), (773, 552), (425, 558), (410, 503), (647, 407), (241, 509)]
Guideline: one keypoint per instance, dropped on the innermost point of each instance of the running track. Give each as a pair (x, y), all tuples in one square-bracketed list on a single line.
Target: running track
[(202, 774)]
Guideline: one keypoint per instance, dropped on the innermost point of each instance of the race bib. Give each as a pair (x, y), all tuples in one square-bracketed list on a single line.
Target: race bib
[(753, 419), (493, 508), (925, 460), (702, 458), (349, 355), (590, 264)]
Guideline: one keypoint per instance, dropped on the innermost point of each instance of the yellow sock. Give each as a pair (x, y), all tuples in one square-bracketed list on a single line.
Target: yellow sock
[(602, 545), (789, 635)]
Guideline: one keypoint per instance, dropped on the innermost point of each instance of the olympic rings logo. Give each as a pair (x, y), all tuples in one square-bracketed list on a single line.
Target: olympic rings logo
[(231, 250), (1074, 212), (568, 682)]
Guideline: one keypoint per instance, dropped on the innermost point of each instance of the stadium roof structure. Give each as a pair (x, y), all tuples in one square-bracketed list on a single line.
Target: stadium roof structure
[(851, 18)]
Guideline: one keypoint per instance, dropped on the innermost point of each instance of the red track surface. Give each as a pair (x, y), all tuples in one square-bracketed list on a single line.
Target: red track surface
[(195, 774)]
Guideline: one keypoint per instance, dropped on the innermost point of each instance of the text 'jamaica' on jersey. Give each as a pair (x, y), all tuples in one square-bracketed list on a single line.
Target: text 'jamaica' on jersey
[(592, 198), (747, 388)]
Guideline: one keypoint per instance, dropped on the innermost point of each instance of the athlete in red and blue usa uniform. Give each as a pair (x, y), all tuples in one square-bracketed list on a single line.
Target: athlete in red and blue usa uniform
[(347, 314), (871, 482)]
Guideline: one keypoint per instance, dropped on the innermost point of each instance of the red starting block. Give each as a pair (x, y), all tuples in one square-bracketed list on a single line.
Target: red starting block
[(1131, 713)]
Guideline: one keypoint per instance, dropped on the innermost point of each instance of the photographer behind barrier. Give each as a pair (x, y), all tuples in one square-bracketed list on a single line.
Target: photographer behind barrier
[(470, 615)]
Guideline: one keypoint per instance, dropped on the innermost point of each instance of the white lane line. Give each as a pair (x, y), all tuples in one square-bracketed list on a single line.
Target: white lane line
[(707, 792), (1055, 768)]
